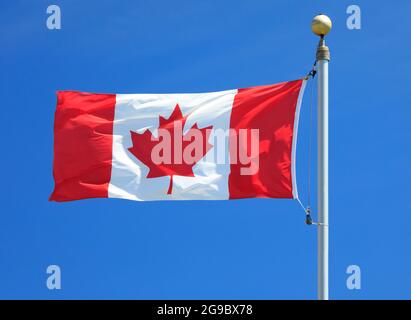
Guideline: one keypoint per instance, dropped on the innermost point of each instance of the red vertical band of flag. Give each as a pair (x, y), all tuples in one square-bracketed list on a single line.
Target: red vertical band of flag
[(83, 137), (271, 110)]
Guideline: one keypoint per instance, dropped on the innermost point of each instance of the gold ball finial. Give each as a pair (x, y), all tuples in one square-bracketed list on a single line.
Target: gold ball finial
[(321, 25)]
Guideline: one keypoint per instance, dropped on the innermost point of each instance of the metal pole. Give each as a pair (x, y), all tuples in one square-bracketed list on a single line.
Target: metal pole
[(323, 26), (323, 179)]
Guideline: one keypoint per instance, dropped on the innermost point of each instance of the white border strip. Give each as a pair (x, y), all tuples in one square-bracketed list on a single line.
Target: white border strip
[(295, 134)]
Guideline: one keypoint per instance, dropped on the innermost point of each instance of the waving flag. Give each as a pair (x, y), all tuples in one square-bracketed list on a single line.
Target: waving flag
[(196, 146)]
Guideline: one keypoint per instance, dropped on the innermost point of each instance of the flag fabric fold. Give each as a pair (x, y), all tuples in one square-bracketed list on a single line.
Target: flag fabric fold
[(231, 144)]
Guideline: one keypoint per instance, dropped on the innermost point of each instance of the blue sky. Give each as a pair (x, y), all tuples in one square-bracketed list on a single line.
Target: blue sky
[(246, 249)]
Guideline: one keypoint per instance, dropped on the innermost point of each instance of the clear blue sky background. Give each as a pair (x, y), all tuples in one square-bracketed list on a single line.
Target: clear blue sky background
[(247, 249)]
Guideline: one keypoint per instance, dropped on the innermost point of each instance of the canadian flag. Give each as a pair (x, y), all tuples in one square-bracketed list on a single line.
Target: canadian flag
[(197, 146)]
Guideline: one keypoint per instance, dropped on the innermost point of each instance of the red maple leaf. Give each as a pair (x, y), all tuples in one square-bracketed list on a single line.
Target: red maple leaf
[(178, 164)]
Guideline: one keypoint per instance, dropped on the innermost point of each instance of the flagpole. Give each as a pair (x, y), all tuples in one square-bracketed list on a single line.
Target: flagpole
[(321, 25)]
